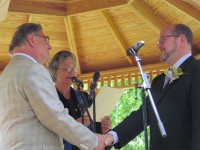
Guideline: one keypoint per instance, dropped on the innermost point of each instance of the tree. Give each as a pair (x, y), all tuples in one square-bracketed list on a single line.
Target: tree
[(124, 107)]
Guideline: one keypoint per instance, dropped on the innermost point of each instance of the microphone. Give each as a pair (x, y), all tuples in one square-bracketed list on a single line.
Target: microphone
[(77, 82), (93, 85), (135, 48)]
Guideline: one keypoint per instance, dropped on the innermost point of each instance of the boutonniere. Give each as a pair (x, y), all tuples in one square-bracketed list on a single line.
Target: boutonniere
[(174, 73)]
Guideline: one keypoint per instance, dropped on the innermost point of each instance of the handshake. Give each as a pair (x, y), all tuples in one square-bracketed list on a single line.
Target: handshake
[(104, 140)]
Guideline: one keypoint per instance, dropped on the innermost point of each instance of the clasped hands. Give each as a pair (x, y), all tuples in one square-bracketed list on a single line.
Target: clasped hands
[(104, 140)]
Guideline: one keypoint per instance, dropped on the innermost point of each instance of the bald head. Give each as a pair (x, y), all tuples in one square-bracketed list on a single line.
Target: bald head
[(175, 42)]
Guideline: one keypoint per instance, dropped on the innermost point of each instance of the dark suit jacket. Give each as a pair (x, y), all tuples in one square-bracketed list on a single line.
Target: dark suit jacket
[(178, 105)]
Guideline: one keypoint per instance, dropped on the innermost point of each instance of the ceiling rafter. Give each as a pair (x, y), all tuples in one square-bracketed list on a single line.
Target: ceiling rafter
[(62, 7), (129, 1), (116, 34), (186, 9), (191, 13), (51, 7), (72, 39), (30, 17), (81, 6), (4, 9), (147, 15)]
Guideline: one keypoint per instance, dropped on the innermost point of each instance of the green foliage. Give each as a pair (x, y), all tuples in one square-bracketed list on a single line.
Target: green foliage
[(124, 107)]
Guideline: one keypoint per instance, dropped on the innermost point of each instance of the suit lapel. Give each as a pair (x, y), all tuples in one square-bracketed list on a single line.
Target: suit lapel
[(168, 86), (164, 91)]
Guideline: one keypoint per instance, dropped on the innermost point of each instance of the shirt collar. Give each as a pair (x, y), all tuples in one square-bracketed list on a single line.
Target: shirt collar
[(27, 56), (181, 60)]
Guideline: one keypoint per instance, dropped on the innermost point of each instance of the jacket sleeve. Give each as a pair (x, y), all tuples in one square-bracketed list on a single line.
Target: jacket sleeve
[(43, 98)]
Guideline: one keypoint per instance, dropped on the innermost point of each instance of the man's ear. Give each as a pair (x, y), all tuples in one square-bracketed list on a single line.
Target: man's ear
[(30, 40), (183, 39)]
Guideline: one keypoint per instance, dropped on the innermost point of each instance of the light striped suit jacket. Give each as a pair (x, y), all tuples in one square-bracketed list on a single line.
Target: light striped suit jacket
[(31, 114)]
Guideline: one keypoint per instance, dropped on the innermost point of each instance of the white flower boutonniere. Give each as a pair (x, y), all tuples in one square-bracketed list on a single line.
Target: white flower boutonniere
[(173, 74)]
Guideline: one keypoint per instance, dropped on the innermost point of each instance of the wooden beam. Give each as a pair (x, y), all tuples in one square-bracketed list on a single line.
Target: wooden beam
[(129, 1), (4, 4), (147, 15), (30, 17), (80, 6), (116, 34), (123, 74), (61, 7), (194, 3), (135, 69), (72, 39), (191, 13), (186, 9), (49, 7)]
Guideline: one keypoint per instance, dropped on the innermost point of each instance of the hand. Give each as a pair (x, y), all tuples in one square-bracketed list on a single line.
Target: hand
[(101, 142), (109, 139), (86, 120), (105, 124)]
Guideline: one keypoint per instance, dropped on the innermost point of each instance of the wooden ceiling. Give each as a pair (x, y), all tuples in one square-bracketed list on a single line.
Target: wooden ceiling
[(99, 32)]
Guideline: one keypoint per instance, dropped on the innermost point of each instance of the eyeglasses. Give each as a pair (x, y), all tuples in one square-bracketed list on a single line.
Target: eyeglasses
[(43, 36), (163, 38), (68, 69)]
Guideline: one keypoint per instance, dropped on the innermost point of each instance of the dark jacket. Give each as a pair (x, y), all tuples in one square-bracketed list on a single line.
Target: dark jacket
[(74, 105), (178, 105)]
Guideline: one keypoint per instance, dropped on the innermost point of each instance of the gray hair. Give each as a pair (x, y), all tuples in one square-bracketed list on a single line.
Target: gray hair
[(21, 33), (57, 60)]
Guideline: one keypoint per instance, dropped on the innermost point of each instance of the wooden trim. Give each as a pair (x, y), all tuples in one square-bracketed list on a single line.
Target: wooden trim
[(126, 74)]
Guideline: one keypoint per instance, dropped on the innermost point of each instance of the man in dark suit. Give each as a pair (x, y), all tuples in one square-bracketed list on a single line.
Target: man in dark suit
[(178, 102)]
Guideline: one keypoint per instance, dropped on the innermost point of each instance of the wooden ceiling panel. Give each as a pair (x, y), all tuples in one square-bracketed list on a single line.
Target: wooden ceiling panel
[(193, 4), (190, 10), (85, 17), (47, 19), (105, 62), (125, 17), (90, 25), (13, 20), (3, 49), (100, 40), (99, 32), (104, 49), (57, 35), (58, 43), (57, 49), (6, 32), (92, 33)]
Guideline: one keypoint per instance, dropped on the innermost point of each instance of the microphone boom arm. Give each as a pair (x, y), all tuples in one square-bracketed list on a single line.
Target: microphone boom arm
[(146, 87)]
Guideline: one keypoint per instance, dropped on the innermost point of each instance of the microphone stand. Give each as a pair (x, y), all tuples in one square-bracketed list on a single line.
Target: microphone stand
[(93, 95), (81, 107), (146, 87), (84, 106)]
